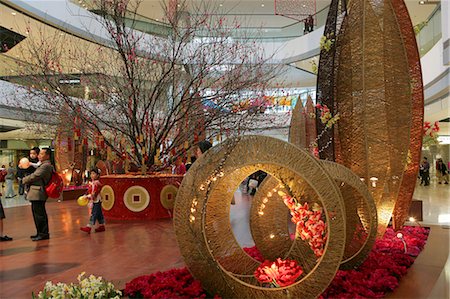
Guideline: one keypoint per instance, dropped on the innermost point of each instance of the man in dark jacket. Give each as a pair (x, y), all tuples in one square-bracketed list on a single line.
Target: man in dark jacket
[(37, 195)]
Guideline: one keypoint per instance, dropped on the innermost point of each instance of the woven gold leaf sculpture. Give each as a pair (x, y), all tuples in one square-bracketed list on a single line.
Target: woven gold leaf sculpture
[(373, 97), (408, 184), (202, 224)]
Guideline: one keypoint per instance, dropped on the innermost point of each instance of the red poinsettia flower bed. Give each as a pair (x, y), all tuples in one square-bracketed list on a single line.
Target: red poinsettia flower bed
[(175, 283), (382, 270), (380, 273)]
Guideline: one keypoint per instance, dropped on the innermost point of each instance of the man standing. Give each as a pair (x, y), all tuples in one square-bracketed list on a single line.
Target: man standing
[(37, 195), (425, 167)]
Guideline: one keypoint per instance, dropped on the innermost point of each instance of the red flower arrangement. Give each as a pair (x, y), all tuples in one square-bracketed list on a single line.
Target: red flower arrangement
[(175, 283), (309, 224), (430, 133), (280, 273), (383, 268), (380, 273)]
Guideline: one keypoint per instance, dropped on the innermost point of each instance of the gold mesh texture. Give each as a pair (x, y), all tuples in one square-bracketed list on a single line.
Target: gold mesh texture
[(360, 214), (202, 224), (373, 97), (297, 129), (408, 184), (271, 233)]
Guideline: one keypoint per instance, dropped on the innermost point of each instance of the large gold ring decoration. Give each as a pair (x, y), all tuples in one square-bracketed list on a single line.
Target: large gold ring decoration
[(272, 235), (202, 223)]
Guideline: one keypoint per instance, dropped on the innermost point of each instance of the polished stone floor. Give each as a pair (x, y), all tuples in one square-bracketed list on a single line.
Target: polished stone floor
[(130, 249)]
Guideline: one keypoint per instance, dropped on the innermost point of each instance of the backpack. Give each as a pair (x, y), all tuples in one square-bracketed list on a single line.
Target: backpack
[(2, 175), (54, 188)]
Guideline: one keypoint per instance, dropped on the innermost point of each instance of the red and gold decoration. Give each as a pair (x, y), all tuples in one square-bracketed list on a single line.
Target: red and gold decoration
[(309, 223), (378, 276), (133, 196), (108, 198), (202, 223), (281, 273), (272, 235), (168, 195), (136, 198)]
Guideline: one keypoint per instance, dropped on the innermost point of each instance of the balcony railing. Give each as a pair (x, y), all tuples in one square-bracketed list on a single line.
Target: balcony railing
[(429, 32)]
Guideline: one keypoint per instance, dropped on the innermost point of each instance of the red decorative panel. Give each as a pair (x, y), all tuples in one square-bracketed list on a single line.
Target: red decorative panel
[(152, 206)]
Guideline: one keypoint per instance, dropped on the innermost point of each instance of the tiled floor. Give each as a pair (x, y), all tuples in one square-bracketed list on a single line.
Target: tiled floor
[(130, 249), (436, 203)]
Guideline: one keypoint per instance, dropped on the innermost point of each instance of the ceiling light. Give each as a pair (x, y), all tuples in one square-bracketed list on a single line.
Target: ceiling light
[(220, 4), (304, 5), (13, 13), (421, 2), (157, 19), (262, 5)]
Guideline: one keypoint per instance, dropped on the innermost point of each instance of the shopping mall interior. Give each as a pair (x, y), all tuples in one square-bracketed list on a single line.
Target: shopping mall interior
[(134, 88)]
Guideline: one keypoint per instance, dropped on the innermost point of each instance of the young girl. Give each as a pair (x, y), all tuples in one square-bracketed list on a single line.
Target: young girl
[(96, 199)]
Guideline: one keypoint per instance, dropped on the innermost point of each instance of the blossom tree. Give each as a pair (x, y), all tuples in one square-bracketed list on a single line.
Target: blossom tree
[(145, 96)]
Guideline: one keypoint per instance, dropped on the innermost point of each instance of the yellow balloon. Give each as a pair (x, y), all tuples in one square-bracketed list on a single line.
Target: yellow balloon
[(82, 200)]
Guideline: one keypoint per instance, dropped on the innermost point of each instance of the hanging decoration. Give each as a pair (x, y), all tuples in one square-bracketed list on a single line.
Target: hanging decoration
[(295, 9)]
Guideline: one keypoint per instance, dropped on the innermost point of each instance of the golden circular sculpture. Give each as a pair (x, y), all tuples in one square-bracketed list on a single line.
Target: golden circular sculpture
[(202, 223), (107, 194), (168, 195), (360, 215), (136, 198)]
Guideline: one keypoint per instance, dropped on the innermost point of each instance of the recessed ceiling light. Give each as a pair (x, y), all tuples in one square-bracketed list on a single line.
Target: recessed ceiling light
[(262, 5), (220, 4), (157, 19), (421, 2), (13, 13), (304, 5)]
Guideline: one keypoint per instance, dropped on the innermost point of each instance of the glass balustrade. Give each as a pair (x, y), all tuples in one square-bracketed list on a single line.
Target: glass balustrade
[(429, 32)]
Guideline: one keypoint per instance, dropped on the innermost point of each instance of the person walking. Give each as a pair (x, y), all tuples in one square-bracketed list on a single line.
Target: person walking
[(95, 199), (442, 172), (37, 195), (10, 176)]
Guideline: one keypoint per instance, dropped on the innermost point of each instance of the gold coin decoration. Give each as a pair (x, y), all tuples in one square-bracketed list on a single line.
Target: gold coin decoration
[(136, 198), (168, 195), (108, 198)]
